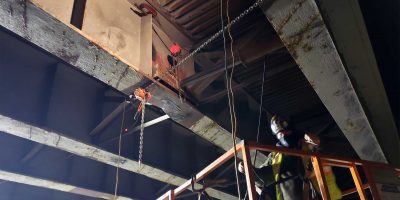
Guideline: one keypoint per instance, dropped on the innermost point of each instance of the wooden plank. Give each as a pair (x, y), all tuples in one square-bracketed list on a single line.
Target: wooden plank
[(37, 182), (52, 139)]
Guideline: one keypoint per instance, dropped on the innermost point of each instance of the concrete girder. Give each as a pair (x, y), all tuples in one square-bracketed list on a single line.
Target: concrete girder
[(300, 26), (55, 140), (38, 27), (354, 46), (43, 183)]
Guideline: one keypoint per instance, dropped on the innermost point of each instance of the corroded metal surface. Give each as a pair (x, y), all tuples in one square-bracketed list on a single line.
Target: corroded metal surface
[(300, 26), (353, 43)]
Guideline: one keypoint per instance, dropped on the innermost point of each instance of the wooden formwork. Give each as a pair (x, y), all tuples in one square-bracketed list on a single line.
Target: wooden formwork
[(318, 161)]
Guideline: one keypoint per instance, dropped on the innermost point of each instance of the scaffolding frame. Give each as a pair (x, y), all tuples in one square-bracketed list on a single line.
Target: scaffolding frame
[(318, 161)]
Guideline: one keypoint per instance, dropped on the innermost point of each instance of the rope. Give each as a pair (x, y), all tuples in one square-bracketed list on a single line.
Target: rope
[(119, 152), (260, 111), (230, 92)]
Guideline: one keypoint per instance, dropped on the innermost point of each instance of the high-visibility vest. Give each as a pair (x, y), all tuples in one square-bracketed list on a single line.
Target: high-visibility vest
[(334, 191), (276, 166)]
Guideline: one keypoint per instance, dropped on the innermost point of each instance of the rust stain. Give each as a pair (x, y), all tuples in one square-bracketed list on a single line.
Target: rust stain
[(280, 26), (10, 10), (312, 83), (318, 33), (337, 93), (124, 73), (307, 47), (349, 123), (118, 160), (295, 41)]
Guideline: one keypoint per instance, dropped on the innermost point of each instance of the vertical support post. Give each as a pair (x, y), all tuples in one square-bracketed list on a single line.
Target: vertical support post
[(248, 171), (319, 173), (358, 182), (371, 182), (78, 12), (171, 195)]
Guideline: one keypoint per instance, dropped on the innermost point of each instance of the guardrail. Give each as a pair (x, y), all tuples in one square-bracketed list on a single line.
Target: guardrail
[(318, 161)]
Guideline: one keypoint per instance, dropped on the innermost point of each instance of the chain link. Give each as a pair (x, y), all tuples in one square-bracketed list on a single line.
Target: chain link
[(217, 34), (213, 37), (143, 104)]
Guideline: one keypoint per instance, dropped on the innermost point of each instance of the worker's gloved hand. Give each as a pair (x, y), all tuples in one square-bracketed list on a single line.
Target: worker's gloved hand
[(312, 139)]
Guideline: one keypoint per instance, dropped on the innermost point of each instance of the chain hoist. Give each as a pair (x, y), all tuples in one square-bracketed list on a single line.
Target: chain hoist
[(143, 96), (172, 69)]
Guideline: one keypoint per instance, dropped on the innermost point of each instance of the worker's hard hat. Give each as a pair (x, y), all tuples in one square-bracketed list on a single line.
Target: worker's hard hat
[(278, 124)]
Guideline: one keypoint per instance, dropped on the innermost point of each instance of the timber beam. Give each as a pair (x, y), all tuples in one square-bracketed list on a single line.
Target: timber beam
[(300, 26), (64, 143), (68, 43), (48, 184)]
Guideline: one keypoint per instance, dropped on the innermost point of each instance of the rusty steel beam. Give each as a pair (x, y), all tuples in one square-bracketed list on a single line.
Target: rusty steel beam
[(300, 26), (48, 184), (64, 143), (353, 43), (30, 22)]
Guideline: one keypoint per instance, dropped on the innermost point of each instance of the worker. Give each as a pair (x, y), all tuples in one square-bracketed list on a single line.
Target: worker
[(280, 177), (285, 177), (311, 142)]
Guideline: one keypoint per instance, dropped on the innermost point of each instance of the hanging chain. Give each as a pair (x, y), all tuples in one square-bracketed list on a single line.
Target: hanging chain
[(212, 38), (143, 105)]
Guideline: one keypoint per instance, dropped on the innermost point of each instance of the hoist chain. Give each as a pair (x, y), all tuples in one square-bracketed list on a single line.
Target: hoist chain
[(212, 38), (143, 105)]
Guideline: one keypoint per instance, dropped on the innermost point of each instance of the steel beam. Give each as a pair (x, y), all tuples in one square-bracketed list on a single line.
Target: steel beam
[(300, 26), (55, 140), (66, 42), (43, 183), (353, 43)]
